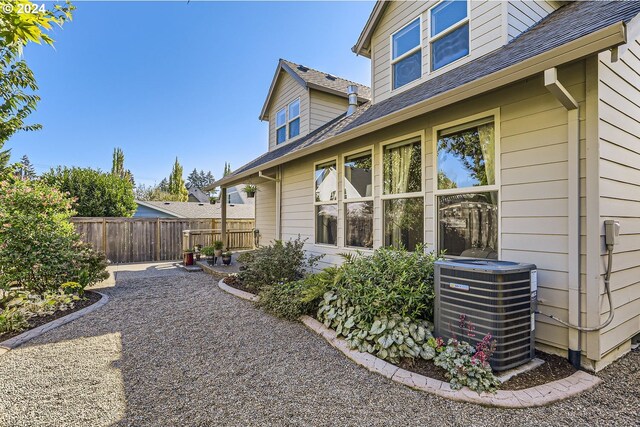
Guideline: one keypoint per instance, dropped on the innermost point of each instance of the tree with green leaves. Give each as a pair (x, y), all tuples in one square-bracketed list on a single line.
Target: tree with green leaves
[(200, 179), (97, 193), (227, 169), (25, 169), (17, 82), (176, 183), (117, 166)]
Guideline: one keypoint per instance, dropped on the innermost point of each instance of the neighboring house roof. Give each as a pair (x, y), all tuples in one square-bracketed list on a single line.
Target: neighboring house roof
[(237, 195), (566, 25), (198, 194), (200, 210), (314, 79)]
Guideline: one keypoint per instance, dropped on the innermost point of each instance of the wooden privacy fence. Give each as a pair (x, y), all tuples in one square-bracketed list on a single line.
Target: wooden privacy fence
[(153, 239)]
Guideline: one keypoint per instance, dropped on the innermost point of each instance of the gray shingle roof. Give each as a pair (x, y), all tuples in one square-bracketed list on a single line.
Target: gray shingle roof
[(202, 210), (567, 24), (326, 80)]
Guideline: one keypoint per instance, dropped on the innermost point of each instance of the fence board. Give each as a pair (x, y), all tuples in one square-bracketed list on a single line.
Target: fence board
[(155, 239)]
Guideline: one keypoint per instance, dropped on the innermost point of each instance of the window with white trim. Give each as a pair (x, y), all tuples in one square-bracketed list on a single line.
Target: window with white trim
[(449, 32), (402, 197), (326, 202), (406, 54), (467, 194), (358, 200), (294, 118), (281, 128)]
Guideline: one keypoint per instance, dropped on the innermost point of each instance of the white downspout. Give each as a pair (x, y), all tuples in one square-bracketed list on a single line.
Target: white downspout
[(278, 203), (573, 215)]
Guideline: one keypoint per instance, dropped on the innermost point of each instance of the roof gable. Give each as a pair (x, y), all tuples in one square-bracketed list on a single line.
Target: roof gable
[(309, 78), (363, 45)]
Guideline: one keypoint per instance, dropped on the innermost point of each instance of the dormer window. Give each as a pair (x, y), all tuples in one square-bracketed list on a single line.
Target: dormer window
[(294, 118), (406, 54), (449, 32), (281, 128)]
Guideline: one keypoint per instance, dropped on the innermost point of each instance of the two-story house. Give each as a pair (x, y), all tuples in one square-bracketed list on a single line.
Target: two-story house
[(506, 130)]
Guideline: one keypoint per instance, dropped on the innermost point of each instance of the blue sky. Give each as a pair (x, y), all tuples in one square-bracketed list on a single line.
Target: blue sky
[(167, 79)]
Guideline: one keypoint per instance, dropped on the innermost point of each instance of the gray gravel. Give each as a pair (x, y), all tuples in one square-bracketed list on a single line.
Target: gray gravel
[(170, 348)]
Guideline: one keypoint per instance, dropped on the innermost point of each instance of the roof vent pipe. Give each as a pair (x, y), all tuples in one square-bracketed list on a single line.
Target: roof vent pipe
[(352, 91)]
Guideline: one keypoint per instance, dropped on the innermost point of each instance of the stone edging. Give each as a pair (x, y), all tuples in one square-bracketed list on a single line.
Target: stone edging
[(535, 396), (237, 292), (18, 340), (531, 397)]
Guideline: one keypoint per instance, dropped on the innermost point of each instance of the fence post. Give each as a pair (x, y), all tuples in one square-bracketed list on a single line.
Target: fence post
[(158, 239), (104, 236)]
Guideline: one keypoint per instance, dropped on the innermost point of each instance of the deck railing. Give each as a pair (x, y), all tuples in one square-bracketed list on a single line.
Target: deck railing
[(236, 239)]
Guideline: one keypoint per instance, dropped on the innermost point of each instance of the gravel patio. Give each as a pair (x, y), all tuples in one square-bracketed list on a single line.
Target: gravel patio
[(170, 348)]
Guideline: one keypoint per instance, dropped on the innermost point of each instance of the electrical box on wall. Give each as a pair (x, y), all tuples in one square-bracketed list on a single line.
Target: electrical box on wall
[(611, 232)]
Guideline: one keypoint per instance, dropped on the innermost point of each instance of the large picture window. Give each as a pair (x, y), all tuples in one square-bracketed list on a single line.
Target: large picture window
[(326, 203), (358, 200), (449, 32), (403, 201), (406, 54), (467, 192)]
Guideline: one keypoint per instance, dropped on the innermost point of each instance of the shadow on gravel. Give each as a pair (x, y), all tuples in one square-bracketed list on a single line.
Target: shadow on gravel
[(171, 349)]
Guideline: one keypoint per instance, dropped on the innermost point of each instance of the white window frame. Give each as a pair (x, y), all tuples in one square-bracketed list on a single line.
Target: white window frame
[(331, 202), (288, 119), (414, 136), (495, 113), (406, 54), (446, 31), (285, 108), (345, 200)]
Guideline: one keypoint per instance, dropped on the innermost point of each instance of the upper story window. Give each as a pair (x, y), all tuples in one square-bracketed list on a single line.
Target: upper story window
[(294, 118), (406, 54), (449, 32), (281, 129)]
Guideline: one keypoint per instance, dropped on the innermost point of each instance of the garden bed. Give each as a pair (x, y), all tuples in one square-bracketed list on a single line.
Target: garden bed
[(235, 282), (554, 368), (90, 298)]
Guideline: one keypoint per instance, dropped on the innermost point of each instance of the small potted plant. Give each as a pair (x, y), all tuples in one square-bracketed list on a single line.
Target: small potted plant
[(187, 257), (226, 257), (208, 252), (197, 250), (217, 248), (250, 189)]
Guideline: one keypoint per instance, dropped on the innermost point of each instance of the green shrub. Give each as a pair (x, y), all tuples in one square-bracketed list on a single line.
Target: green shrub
[(293, 299), (390, 282), (207, 251), (39, 248), (282, 262)]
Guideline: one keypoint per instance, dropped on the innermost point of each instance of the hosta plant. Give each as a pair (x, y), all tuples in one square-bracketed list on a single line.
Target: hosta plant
[(388, 337)]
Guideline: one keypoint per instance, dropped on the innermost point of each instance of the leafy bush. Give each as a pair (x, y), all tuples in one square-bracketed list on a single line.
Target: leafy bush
[(388, 283), (282, 262), (207, 251), (293, 299), (39, 248), (389, 338), (12, 320), (468, 366), (96, 193)]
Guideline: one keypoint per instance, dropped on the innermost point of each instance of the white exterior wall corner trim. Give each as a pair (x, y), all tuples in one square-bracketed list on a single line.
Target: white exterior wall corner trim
[(495, 113), (606, 38)]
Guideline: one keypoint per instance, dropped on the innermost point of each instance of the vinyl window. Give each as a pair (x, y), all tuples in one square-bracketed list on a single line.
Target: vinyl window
[(406, 54), (467, 190), (326, 202), (449, 31), (294, 118), (402, 197), (281, 129), (358, 199)]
